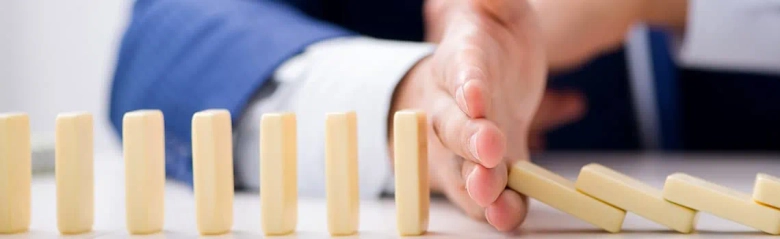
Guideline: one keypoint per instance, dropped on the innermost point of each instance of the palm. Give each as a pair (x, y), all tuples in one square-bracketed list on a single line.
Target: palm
[(507, 61), (489, 74)]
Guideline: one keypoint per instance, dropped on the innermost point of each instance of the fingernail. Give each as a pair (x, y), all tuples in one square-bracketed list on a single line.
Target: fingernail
[(468, 182), (487, 215), (473, 147), (461, 98)]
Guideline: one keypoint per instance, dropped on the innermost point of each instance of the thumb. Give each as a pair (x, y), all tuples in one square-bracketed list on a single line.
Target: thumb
[(557, 108)]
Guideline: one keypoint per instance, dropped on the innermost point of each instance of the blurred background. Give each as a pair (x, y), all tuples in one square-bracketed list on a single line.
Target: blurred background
[(58, 56)]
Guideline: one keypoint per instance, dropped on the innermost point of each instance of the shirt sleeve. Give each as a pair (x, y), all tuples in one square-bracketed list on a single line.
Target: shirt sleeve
[(732, 35), (183, 56), (345, 74)]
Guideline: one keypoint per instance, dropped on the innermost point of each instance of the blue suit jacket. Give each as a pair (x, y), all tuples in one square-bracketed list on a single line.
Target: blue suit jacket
[(183, 56)]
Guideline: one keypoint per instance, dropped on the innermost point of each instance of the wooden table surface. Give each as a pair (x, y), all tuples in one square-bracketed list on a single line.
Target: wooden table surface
[(377, 217)]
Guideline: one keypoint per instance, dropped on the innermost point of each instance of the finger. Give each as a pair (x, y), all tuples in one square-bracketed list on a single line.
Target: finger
[(508, 212), (558, 108), (465, 79), (484, 185), (458, 194), (478, 140)]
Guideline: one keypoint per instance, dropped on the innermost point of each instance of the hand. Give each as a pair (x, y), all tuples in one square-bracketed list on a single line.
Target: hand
[(450, 172), (481, 88), (577, 31)]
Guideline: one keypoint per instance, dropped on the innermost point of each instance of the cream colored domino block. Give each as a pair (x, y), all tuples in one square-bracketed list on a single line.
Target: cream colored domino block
[(15, 173), (212, 163), (143, 138), (74, 169), (341, 173), (412, 192), (767, 190), (278, 173), (720, 201), (560, 193), (634, 196)]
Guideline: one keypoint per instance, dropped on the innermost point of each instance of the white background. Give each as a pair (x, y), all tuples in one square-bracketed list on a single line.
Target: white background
[(58, 56)]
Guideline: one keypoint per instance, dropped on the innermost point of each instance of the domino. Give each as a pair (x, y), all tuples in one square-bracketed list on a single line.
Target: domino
[(560, 193), (15, 173), (341, 173), (412, 192), (631, 195), (278, 174), (212, 163), (720, 201), (767, 190), (144, 154), (74, 170)]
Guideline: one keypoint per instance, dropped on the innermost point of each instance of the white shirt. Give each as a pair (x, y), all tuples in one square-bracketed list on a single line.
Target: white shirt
[(361, 73)]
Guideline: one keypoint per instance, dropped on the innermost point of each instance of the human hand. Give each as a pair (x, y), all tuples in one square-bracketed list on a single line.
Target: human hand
[(481, 88), (450, 172)]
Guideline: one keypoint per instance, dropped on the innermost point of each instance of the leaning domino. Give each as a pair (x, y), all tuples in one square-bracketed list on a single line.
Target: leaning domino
[(767, 190), (560, 193), (720, 201), (634, 196)]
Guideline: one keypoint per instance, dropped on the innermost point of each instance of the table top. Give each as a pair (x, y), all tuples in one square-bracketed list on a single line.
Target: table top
[(377, 217)]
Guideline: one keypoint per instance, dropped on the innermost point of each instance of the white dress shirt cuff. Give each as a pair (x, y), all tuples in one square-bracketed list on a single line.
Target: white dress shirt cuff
[(732, 35), (352, 74)]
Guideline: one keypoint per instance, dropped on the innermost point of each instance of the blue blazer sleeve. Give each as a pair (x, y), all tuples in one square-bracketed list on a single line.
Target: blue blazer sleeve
[(183, 56)]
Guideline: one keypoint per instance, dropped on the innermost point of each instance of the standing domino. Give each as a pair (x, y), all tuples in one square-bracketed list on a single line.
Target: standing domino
[(341, 173), (143, 138), (720, 201), (632, 195), (212, 163), (412, 193), (15, 173), (767, 190), (278, 173), (558, 192), (74, 171)]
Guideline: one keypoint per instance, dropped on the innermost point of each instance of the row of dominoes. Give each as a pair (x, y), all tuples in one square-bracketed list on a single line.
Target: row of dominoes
[(601, 196), (144, 152)]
